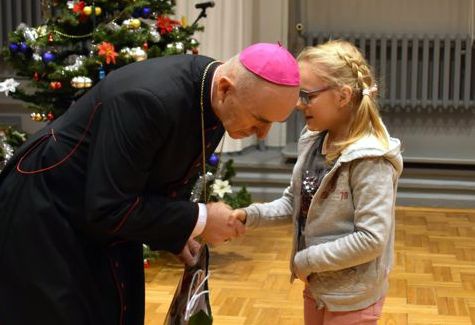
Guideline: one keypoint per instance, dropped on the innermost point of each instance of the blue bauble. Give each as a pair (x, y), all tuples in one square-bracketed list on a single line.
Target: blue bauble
[(48, 57), (214, 160), (146, 11), (13, 48), (24, 48)]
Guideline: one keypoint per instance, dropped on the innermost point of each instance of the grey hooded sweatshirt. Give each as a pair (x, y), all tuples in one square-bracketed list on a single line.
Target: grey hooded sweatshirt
[(349, 230)]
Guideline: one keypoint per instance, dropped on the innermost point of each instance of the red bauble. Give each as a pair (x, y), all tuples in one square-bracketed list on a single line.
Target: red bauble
[(55, 85), (50, 116), (36, 76), (146, 263), (50, 38), (145, 46)]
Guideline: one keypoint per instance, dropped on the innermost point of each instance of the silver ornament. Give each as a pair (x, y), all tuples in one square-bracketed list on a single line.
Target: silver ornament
[(176, 46), (6, 150), (30, 34), (77, 62), (138, 54), (37, 57), (180, 46), (155, 36), (113, 26), (125, 52)]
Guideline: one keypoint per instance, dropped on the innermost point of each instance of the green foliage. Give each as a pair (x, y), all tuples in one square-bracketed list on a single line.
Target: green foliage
[(226, 172), (150, 254), (14, 137), (241, 199)]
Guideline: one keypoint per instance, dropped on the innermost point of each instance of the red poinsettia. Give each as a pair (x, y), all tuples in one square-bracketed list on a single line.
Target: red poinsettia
[(79, 7), (107, 50), (165, 24)]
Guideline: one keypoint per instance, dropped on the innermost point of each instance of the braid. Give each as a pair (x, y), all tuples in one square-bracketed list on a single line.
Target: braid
[(360, 70)]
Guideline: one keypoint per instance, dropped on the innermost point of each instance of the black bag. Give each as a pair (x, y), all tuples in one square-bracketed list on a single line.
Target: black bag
[(190, 304)]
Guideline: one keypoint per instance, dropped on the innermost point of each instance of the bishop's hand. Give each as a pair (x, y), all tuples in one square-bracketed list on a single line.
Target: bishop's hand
[(221, 225)]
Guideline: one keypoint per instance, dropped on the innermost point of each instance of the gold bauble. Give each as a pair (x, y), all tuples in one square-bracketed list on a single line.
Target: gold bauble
[(135, 23), (87, 10)]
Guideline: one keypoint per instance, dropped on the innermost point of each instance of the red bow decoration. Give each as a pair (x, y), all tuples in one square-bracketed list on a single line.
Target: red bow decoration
[(165, 24)]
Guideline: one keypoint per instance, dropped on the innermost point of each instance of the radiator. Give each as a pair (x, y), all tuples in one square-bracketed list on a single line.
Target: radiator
[(418, 71), (14, 12)]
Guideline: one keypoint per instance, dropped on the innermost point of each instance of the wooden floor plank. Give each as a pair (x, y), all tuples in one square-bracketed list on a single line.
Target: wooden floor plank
[(432, 282)]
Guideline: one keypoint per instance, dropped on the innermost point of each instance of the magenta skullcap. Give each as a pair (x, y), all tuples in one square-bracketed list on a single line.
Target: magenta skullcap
[(271, 62)]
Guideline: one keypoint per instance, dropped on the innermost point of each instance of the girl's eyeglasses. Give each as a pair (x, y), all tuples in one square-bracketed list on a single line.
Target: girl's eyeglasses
[(305, 96)]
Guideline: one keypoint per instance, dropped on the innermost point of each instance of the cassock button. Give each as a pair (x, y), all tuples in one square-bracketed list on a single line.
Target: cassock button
[(116, 264), (185, 182), (125, 307), (173, 194), (122, 285)]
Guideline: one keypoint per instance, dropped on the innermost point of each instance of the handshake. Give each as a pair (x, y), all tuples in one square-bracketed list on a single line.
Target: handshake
[(222, 225)]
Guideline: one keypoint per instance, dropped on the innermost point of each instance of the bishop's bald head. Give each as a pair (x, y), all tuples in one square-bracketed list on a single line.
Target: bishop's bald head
[(255, 88)]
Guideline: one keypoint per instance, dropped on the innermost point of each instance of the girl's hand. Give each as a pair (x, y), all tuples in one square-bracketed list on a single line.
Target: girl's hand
[(240, 214), (300, 269)]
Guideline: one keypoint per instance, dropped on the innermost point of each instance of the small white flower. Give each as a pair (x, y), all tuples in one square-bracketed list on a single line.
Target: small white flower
[(221, 187), (8, 86), (70, 4)]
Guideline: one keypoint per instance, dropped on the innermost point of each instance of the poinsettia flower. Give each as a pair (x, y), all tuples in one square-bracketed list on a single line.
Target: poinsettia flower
[(78, 7), (107, 50), (220, 188), (165, 24), (9, 86)]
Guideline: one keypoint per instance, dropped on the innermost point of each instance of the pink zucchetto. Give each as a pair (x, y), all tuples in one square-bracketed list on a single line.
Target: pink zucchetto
[(271, 62)]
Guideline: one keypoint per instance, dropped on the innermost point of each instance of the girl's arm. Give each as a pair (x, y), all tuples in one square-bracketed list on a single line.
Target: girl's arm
[(280, 208)]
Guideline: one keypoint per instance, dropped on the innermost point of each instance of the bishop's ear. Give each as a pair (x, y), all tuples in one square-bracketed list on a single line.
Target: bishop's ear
[(225, 87), (345, 95)]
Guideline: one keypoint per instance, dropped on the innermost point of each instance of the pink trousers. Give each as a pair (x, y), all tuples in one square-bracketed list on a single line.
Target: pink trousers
[(314, 316)]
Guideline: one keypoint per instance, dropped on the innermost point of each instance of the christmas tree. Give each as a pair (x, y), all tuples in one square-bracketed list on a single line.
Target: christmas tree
[(80, 42)]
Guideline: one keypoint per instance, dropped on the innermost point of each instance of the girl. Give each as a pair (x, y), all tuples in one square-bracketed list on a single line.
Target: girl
[(342, 192)]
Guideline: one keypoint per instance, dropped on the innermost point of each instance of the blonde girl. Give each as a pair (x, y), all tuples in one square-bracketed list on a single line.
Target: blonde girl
[(342, 192)]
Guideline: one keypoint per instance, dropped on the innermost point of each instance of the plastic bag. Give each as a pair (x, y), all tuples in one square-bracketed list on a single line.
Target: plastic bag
[(190, 304)]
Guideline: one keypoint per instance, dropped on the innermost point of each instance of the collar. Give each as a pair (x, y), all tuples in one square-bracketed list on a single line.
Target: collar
[(211, 120)]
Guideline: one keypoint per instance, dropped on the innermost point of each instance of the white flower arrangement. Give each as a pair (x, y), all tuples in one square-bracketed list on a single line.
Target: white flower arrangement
[(9, 86), (220, 188)]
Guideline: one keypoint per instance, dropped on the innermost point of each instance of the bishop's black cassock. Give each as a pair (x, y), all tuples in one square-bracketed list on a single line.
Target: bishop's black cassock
[(81, 196)]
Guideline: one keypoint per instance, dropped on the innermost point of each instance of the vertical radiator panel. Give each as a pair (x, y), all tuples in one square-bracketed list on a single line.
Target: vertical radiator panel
[(457, 75), (419, 71), (469, 81), (404, 69), (414, 85), (435, 71), (446, 74)]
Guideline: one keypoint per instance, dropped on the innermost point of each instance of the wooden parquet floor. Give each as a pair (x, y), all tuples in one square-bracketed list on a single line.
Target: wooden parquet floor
[(432, 282)]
